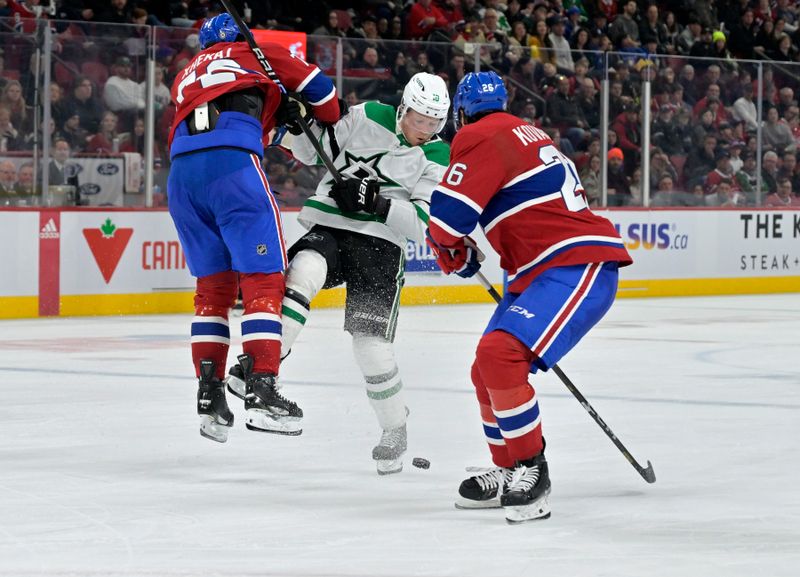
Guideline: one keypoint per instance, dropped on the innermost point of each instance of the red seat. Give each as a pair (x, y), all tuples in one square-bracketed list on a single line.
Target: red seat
[(678, 161), (64, 74), (96, 71)]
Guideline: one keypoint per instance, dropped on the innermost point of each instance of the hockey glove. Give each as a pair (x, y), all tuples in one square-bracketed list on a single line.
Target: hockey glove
[(354, 194), (290, 114), (463, 258)]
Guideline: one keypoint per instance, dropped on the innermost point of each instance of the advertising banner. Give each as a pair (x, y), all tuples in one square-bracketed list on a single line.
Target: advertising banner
[(102, 180), (294, 42), (709, 243), (123, 261), (19, 252), (121, 252)]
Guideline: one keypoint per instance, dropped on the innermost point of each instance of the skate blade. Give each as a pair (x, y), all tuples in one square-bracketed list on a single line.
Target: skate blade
[(211, 429), (389, 467), (463, 503), (265, 422), (236, 386), (538, 510)]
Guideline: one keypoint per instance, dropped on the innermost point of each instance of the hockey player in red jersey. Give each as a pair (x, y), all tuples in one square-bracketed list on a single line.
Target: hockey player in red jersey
[(508, 177), (227, 218)]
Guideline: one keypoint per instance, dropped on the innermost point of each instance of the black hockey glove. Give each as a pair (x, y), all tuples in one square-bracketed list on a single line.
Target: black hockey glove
[(352, 195), (290, 114)]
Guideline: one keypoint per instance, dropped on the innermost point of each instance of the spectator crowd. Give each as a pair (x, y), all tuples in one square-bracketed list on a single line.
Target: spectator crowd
[(702, 57)]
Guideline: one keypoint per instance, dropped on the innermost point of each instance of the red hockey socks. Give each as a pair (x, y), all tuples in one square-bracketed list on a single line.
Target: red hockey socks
[(214, 296), (491, 430), (504, 363), (262, 295)]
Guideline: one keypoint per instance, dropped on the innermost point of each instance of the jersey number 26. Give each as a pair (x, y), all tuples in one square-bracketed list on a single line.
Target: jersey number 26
[(571, 191)]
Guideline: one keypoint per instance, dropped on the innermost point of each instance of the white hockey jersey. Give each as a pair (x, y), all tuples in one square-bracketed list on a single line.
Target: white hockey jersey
[(368, 145)]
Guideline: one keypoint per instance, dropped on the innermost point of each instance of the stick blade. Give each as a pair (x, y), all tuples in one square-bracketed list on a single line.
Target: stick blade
[(648, 474)]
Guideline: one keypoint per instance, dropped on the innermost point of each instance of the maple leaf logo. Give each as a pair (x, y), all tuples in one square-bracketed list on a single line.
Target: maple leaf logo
[(107, 244), (108, 228)]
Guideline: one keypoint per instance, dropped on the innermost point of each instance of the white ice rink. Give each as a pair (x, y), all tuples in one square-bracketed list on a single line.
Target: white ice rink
[(103, 472)]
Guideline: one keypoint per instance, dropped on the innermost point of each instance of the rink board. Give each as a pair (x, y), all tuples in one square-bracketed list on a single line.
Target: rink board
[(125, 261)]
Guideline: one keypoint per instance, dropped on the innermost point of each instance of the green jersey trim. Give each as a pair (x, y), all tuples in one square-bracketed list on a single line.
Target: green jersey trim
[(438, 152), (423, 216), (382, 114)]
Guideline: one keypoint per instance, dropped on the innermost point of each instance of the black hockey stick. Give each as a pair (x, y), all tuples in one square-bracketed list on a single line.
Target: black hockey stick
[(259, 54), (647, 473)]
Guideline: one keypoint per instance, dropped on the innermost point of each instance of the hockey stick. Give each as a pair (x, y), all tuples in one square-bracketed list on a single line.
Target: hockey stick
[(259, 54), (647, 473)]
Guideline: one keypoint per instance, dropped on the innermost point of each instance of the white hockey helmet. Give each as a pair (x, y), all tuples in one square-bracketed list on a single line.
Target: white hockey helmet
[(427, 94)]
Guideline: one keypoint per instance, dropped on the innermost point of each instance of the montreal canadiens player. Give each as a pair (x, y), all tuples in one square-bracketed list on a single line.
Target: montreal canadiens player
[(227, 218), (508, 177), (390, 161)]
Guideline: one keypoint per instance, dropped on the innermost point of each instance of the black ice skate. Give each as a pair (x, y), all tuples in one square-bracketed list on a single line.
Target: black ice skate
[(235, 381), (388, 453), (215, 416), (267, 410), (525, 498), (483, 491)]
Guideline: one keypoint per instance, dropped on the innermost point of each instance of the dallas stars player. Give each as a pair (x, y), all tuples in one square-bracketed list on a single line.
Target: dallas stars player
[(391, 161)]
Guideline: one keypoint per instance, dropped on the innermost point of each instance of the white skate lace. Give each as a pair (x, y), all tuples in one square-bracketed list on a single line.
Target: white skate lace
[(524, 478), (490, 478)]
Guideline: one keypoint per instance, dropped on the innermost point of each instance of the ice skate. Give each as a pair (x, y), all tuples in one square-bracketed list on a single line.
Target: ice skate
[(525, 498), (388, 453), (483, 490), (267, 410), (235, 381), (215, 416)]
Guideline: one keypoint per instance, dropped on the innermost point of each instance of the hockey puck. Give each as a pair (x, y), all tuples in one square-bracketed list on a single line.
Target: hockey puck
[(421, 463)]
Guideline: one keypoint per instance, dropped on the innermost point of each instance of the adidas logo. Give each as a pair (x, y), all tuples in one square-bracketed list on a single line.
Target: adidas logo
[(49, 230)]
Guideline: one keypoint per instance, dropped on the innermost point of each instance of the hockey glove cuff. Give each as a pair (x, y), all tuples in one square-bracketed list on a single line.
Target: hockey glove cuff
[(463, 258)]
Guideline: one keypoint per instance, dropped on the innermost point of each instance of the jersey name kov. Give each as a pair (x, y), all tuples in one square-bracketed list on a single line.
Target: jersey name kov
[(509, 177)]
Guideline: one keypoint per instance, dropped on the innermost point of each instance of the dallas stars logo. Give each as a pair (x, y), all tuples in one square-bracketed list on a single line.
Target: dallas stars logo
[(360, 167)]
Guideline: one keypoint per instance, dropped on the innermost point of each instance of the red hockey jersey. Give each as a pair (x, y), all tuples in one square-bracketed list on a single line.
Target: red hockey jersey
[(231, 66), (509, 177)]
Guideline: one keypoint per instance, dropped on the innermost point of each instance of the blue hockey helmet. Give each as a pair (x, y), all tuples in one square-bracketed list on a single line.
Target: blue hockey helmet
[(220, 28), (479, 92)]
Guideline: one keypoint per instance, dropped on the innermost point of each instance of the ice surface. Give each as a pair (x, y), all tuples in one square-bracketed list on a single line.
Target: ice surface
[(103, 472)]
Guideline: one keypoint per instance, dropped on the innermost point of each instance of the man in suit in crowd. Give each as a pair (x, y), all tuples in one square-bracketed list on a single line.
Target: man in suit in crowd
[(25, 180), (58, 162), (8, 181)]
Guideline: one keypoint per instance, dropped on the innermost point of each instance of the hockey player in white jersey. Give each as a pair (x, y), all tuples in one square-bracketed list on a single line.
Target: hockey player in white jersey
[(390, 161)]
